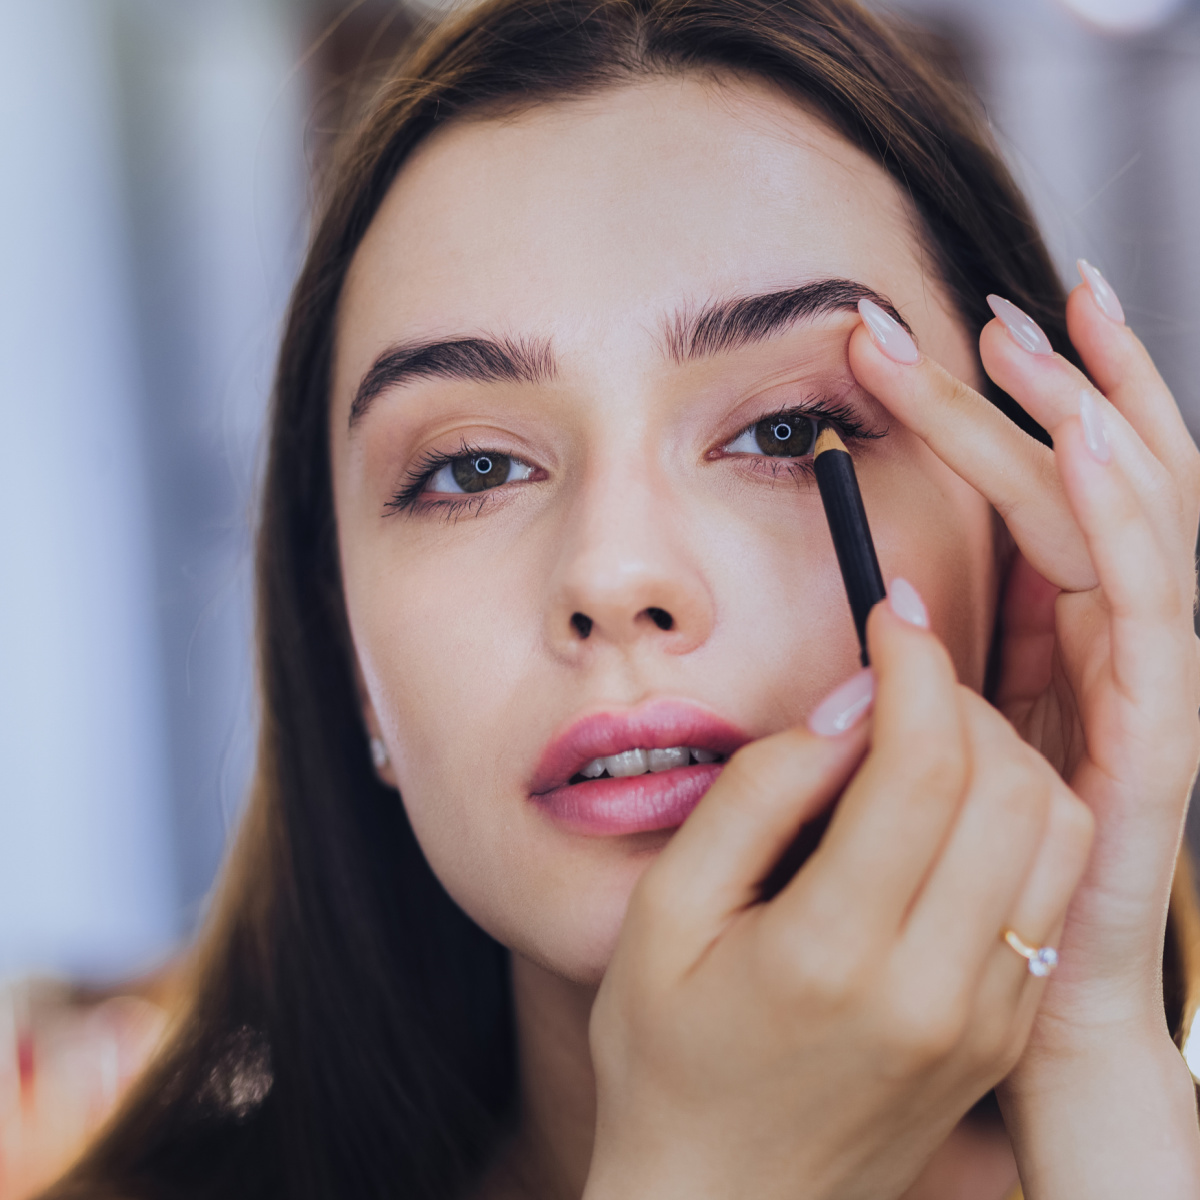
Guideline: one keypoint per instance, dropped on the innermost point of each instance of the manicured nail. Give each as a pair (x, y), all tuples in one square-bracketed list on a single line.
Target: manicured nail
[(1093, 427), (1102, 292), (1026, 332), (845, 706), (907, 604), (890, 336)]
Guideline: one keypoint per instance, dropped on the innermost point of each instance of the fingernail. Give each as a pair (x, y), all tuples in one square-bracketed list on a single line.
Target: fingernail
[(907, 604), (1102, 292), (1093, 427), (1026, 332), (890, 336), (845, 706)]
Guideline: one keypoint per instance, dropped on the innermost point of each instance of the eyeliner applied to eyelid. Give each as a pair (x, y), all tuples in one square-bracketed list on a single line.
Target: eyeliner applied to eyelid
[(719, 327)]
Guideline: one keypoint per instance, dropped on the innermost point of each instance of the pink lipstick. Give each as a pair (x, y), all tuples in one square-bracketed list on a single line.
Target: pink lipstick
[(600, 777)]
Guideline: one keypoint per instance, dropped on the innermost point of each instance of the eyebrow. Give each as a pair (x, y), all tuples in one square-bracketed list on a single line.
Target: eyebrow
[(726, 325), (477, 359), (718, 327)]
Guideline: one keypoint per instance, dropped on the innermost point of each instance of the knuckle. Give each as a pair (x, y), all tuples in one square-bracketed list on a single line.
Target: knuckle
[(926, 1030), (818, 970), (937, 765), (1022, 792)]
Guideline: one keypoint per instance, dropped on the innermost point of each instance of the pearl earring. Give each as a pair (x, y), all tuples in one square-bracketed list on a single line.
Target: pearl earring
[(379, 754)]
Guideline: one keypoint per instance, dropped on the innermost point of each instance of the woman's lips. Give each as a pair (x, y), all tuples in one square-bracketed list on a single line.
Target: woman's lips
[(639, 803)]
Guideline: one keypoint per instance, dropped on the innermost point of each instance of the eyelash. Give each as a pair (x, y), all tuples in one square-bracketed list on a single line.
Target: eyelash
[(841, 416), (422, 471), (408, 497)]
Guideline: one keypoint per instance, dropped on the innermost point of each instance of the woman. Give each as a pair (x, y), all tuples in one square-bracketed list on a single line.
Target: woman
[(539, 528)]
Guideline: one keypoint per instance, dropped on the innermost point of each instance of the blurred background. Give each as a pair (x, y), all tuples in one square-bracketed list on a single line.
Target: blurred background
[(156, 159)]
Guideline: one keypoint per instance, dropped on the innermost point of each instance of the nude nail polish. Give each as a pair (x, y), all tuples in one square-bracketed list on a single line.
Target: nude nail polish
[(889, 335), (845, 706), (1093, 427), (1025, 331), (1102, 292), (907, 604)]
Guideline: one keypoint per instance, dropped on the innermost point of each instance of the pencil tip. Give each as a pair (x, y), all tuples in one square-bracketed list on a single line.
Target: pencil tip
[(827, 439)]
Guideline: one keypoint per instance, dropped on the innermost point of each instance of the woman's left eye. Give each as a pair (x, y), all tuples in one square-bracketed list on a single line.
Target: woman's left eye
[(477, 473), (784, 435)]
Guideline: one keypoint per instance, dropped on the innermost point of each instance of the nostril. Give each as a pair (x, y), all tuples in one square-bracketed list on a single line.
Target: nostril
[(582, 624), (661, 618)]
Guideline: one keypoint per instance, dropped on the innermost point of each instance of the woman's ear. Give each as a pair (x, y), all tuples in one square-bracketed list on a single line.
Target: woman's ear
[(377, 746)]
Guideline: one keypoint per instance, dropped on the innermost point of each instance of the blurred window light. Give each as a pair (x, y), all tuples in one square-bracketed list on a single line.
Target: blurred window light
[(1191, 1047), (1125, 16)]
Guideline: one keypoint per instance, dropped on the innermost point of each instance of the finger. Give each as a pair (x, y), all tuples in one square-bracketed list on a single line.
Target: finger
[(978, 442), (1047, 386), (1150, 605), (1041, 903), (1122, 369), (975, 882), (996, 993), (895, 814), (714, 865)]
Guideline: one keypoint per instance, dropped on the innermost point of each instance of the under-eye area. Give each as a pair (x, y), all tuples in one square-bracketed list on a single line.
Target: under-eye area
[(644, 762)]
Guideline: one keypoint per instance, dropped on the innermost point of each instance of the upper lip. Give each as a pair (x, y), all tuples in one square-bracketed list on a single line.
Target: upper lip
[(654, 725)]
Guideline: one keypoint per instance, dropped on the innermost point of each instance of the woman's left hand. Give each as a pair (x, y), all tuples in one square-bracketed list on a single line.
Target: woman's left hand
[(1099, 662)]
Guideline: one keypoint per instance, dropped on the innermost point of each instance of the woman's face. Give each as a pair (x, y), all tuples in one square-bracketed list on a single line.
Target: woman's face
[(576, 354)]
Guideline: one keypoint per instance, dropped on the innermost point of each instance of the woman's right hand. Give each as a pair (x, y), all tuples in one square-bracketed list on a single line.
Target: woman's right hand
[(825, 1042)]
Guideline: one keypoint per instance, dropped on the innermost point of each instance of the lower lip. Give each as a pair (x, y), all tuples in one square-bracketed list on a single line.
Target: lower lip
[(638, 804)]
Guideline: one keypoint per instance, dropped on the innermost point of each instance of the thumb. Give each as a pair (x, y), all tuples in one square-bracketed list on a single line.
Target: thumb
[(715, 865)]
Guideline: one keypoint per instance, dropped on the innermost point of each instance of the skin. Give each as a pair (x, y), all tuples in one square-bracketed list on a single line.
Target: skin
[(563, 225)]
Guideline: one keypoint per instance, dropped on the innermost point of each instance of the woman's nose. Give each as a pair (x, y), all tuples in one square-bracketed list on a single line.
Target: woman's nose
[(627, 576)]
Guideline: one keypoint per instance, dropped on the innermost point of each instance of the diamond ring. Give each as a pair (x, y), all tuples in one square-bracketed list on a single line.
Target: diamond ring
[(1041, 960)]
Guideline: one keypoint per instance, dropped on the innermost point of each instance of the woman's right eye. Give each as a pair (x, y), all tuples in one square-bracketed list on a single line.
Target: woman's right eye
[(476, 473)]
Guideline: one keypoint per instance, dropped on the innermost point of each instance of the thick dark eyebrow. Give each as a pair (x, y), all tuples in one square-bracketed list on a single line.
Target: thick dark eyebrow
[(725, 325), (479, 359), (717, 328)]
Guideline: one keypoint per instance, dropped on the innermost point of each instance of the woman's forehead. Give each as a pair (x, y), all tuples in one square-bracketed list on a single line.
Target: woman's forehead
[(592, 218)]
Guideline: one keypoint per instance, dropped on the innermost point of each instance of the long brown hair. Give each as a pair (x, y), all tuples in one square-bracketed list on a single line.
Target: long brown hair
[(350, 1032)]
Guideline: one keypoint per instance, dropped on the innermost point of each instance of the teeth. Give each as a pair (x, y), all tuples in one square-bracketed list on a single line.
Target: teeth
[(665, 760), (628, 762), (638, 762)]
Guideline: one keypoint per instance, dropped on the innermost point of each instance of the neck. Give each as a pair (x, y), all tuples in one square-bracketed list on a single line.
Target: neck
[(552, 1148), (551, 1151)]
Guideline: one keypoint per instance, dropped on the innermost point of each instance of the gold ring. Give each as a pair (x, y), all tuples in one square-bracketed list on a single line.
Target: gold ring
[(1041, 960)]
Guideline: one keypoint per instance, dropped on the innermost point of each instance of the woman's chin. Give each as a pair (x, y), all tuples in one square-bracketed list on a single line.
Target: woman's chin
[(579, 925)]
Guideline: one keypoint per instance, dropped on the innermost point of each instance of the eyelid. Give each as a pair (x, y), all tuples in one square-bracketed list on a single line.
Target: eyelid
[(838, 413)]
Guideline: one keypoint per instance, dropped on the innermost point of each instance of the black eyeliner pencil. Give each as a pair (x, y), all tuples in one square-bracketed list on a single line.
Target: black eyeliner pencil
[(848, 524)]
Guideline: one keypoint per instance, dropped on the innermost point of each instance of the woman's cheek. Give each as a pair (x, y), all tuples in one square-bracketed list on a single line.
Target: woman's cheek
[(453, 664), (937, 531), (447, 643)]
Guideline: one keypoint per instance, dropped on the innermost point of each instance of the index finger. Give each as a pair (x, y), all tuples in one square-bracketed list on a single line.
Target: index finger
[(1013, 471), (894, 815)]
